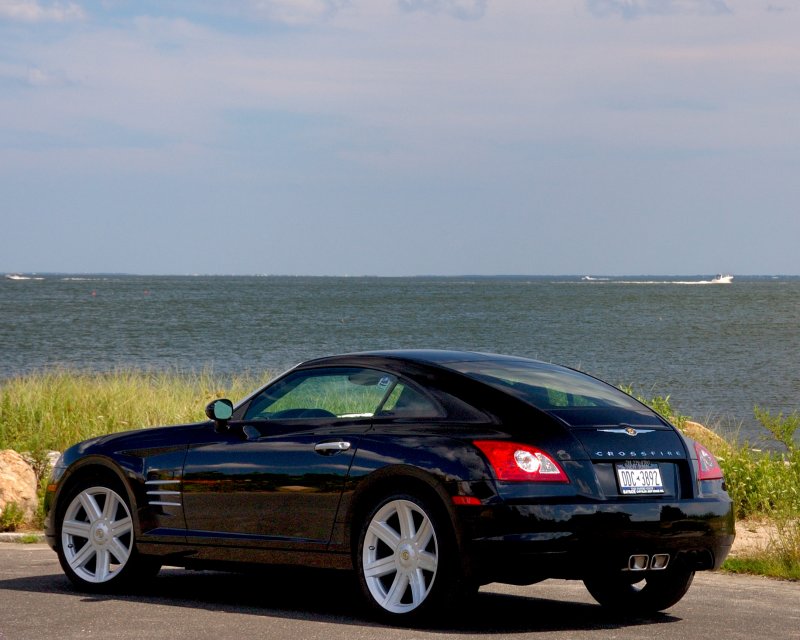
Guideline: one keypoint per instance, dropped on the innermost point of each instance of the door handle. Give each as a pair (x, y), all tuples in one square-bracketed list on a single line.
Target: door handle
[(332, 447)]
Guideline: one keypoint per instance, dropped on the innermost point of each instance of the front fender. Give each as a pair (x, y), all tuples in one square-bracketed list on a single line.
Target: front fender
[(63, 478)]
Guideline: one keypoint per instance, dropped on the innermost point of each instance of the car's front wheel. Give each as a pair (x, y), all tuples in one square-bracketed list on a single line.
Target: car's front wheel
[(659, 590), (406, 558), (96, 539)]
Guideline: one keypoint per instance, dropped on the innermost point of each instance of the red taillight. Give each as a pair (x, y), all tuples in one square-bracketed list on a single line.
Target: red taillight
[(514, 462), (471, 501), (707, 465)]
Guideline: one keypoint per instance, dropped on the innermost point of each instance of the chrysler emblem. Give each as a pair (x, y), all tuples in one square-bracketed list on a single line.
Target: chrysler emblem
[(629, 431)]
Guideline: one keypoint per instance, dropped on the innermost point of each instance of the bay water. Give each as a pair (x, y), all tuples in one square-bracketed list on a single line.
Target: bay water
[(717, 350)]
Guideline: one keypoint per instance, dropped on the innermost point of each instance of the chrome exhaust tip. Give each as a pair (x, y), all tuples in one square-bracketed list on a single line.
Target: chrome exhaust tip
[(659, 561), (638, 562)]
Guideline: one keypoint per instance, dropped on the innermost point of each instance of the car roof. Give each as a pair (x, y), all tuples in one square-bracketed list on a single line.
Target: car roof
[(427, 356)]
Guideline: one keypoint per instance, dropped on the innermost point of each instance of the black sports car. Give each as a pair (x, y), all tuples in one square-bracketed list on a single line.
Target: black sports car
[(428, 473)]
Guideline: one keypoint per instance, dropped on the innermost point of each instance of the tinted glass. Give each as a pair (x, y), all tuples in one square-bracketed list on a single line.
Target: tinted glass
[(546, 387), (323, 393), (406, 402)]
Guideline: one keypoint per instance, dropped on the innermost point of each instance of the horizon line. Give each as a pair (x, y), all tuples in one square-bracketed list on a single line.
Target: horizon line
[(421, 275)]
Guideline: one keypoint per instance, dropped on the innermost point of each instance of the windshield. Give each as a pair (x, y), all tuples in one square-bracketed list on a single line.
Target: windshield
[(545, 386)]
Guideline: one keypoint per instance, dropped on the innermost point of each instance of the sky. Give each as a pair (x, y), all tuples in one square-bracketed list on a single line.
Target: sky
[(400, 137)]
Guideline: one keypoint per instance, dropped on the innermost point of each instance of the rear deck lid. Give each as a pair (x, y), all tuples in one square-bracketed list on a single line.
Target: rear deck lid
[(633, 455), (634, 451)]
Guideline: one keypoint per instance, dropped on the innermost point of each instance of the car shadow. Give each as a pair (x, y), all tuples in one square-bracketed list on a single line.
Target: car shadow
[(333, 597)]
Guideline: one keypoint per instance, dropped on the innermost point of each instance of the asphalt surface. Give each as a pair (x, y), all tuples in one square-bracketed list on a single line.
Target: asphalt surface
[(37, 601)]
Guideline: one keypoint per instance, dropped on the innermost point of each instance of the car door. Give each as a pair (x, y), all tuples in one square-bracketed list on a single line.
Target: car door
[(274, 478)]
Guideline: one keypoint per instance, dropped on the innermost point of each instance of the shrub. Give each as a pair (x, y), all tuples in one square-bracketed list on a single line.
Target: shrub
[(760, 482), (12, 517)]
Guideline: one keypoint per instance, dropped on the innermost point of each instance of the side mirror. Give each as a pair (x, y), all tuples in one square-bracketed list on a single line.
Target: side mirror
[(220, 411)]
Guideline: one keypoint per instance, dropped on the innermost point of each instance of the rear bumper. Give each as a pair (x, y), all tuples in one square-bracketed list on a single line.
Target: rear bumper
[(526, 543)]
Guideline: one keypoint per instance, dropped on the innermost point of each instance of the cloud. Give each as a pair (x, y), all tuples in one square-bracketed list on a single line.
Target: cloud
[(37, 77), (632, 9), (297, 12), (461, 9), (33, 11)]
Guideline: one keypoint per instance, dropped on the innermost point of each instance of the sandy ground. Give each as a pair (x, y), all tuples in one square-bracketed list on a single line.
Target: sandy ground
[(752, 536)]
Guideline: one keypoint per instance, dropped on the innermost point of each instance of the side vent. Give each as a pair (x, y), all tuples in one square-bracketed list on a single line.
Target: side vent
[(163, 493)]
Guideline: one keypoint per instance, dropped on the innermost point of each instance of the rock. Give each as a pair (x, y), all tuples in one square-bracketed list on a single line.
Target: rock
[(17, 483)]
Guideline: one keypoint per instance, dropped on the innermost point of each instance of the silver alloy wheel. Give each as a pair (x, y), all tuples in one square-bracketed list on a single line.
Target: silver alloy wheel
[(400, 556), (97, 534)]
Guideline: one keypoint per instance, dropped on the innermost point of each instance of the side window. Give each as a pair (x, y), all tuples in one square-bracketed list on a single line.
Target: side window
[(405, 402), (323, 393)]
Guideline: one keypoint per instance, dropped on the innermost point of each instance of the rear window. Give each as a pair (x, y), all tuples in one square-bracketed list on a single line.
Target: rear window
[(545, 386)]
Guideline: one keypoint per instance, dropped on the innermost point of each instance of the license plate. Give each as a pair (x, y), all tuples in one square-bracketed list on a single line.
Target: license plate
[(637, 479)]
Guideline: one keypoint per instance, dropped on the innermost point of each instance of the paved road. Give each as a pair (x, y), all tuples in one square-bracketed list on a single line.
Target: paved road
[(37, 601)]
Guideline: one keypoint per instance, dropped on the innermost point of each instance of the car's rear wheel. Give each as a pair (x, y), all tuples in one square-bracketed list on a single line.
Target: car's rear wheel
[(96, 538), (659, 590), (406, 558)]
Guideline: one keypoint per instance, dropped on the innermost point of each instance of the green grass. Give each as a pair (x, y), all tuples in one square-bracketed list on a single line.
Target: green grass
[(51, 410), (30, 538), (764, 565)]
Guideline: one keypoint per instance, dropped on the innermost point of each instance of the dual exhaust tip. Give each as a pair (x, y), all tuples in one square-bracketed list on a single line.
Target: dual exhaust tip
[(642, 562)]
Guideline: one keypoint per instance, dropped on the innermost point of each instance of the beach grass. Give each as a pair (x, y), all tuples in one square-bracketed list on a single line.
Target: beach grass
[(49, 411)]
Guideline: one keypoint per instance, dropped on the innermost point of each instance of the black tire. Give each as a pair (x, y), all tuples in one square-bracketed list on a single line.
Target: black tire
[(406, 559), (659, 590), (96, 540)]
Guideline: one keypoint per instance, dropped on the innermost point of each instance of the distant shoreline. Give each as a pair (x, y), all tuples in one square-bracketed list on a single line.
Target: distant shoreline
[(599, 277)]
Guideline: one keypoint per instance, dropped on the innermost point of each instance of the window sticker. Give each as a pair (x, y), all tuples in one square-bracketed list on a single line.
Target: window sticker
[(384, 382)]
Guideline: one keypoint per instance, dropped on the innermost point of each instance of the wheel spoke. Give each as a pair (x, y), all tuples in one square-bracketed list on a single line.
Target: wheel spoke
[(427, 562), (76, 528), (424, 534), (394, 597), (385, 533), (406, 517), (91, 507), (102, 567), (121, 527), (82, 557), (418, 586), (381, 567), (110, 505), (119, 551)]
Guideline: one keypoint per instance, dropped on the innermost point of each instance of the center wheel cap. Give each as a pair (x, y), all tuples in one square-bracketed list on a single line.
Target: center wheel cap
[(406, 556), (101, 533)]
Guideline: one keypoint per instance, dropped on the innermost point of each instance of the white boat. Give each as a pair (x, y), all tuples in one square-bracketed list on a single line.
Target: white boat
[(722, 279), (17, 276)]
